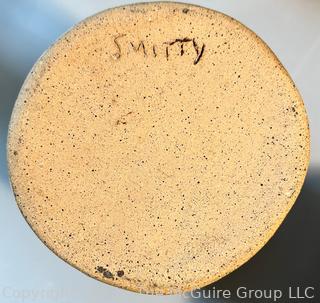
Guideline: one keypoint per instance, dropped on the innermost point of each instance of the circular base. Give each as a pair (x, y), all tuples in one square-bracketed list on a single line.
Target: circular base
[(157, 147)]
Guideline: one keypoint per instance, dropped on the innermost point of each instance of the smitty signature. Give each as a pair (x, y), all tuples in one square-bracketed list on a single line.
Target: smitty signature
[(155, 50)]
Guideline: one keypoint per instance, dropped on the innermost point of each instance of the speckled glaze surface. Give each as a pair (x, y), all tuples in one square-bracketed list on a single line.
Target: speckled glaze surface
[(157, 147)]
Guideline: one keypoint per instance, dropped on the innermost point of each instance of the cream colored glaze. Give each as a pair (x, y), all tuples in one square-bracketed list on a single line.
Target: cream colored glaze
[(158, 168)]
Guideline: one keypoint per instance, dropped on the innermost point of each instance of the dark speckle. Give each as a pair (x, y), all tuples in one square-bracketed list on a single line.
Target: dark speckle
[(185, 10), (120, 273), (100, 269), (15, 152), (108, 274)]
